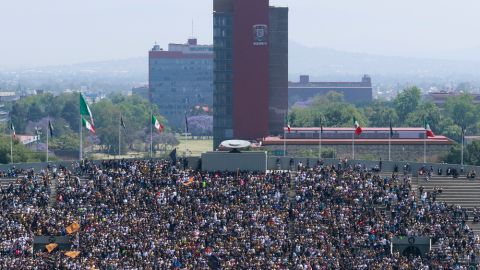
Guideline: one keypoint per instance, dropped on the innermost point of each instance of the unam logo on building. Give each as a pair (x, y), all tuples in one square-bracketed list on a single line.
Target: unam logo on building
[(260, 35)]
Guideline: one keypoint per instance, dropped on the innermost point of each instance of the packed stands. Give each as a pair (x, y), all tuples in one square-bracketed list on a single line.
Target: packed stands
[(151, 214)]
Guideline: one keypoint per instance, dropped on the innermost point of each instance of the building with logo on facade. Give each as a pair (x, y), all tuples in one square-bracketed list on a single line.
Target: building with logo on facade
[(353, 92), (250, 96), (180, 79)]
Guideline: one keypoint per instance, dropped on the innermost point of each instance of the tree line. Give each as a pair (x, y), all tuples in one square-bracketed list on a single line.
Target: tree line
[(460, 115), (32, 113)]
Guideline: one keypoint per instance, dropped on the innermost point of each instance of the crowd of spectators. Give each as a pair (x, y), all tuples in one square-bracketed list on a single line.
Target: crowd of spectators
[(152, 214), (346, 219)]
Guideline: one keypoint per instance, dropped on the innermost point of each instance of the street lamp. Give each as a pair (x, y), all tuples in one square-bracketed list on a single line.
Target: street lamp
[(464, 130)]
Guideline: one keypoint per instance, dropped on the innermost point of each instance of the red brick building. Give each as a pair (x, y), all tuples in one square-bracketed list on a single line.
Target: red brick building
[(250, 69)]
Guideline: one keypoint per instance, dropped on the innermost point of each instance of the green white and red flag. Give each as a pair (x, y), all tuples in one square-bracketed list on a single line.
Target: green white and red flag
[(84, 109), (287, 123), (158, 126), (88, 126), (357, 127), (12, 130), (428, 130)]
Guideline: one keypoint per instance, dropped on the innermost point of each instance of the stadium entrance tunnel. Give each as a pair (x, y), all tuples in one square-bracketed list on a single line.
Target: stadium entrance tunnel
[(411, 251), (411, 246)]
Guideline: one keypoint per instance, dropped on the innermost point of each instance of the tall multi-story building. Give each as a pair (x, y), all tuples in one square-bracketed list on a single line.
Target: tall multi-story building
[(250, 96), (353, 92), (180, 79)]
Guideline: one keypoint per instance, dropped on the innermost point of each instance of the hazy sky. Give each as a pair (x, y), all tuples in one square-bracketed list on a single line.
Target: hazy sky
[(52, 32)]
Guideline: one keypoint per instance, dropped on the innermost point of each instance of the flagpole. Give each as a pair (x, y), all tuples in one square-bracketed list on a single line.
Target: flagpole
[(81, 139), (425, 148), (320, 144), (186, 146), (389, 146), (463, 142), (48, 131), (151, 134), (119, 143), (11, 144), (353, 144), (186, 131), (284, 136)]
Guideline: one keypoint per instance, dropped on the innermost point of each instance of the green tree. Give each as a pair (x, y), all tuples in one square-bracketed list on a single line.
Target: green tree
[(106, 123), (19, 117), (20, 152), (462, 110), (380, 115), (450, 128), (335, 97), (333, 112), (473, 153), (136, 114), (71, 111), (407, 102), (453, 157), (66, 142), (426, 111), (35, 112)]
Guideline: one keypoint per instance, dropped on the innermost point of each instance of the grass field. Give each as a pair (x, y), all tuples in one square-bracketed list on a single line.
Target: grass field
[(194, 147)]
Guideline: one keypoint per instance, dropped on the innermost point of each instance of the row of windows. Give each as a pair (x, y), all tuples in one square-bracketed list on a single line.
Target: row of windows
[(223, 77), (365, 135), (223, 99), (223, 87), (222, 32), (223, 65), (170, 61), (223, 57), (179, 69), (219, 20), (224, 122), (172, 78), (188, 79), (222, 43)]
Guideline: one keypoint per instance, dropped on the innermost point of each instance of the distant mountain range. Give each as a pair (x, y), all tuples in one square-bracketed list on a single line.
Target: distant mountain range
[(134, 66), (320, 63), (329, 64)]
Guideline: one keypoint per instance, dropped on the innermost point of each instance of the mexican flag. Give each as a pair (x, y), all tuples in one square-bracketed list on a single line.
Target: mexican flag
[(12, 130), (156, 124), (84, 109), (88, 126), (428, 130), (287, 122), (391, 129), (50, 127), (358, 128)]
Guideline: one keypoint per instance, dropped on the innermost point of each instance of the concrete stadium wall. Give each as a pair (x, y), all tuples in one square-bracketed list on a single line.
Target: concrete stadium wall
[(225, 161), (405, 152), (259, 161), (193, 163), (387, 166)]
